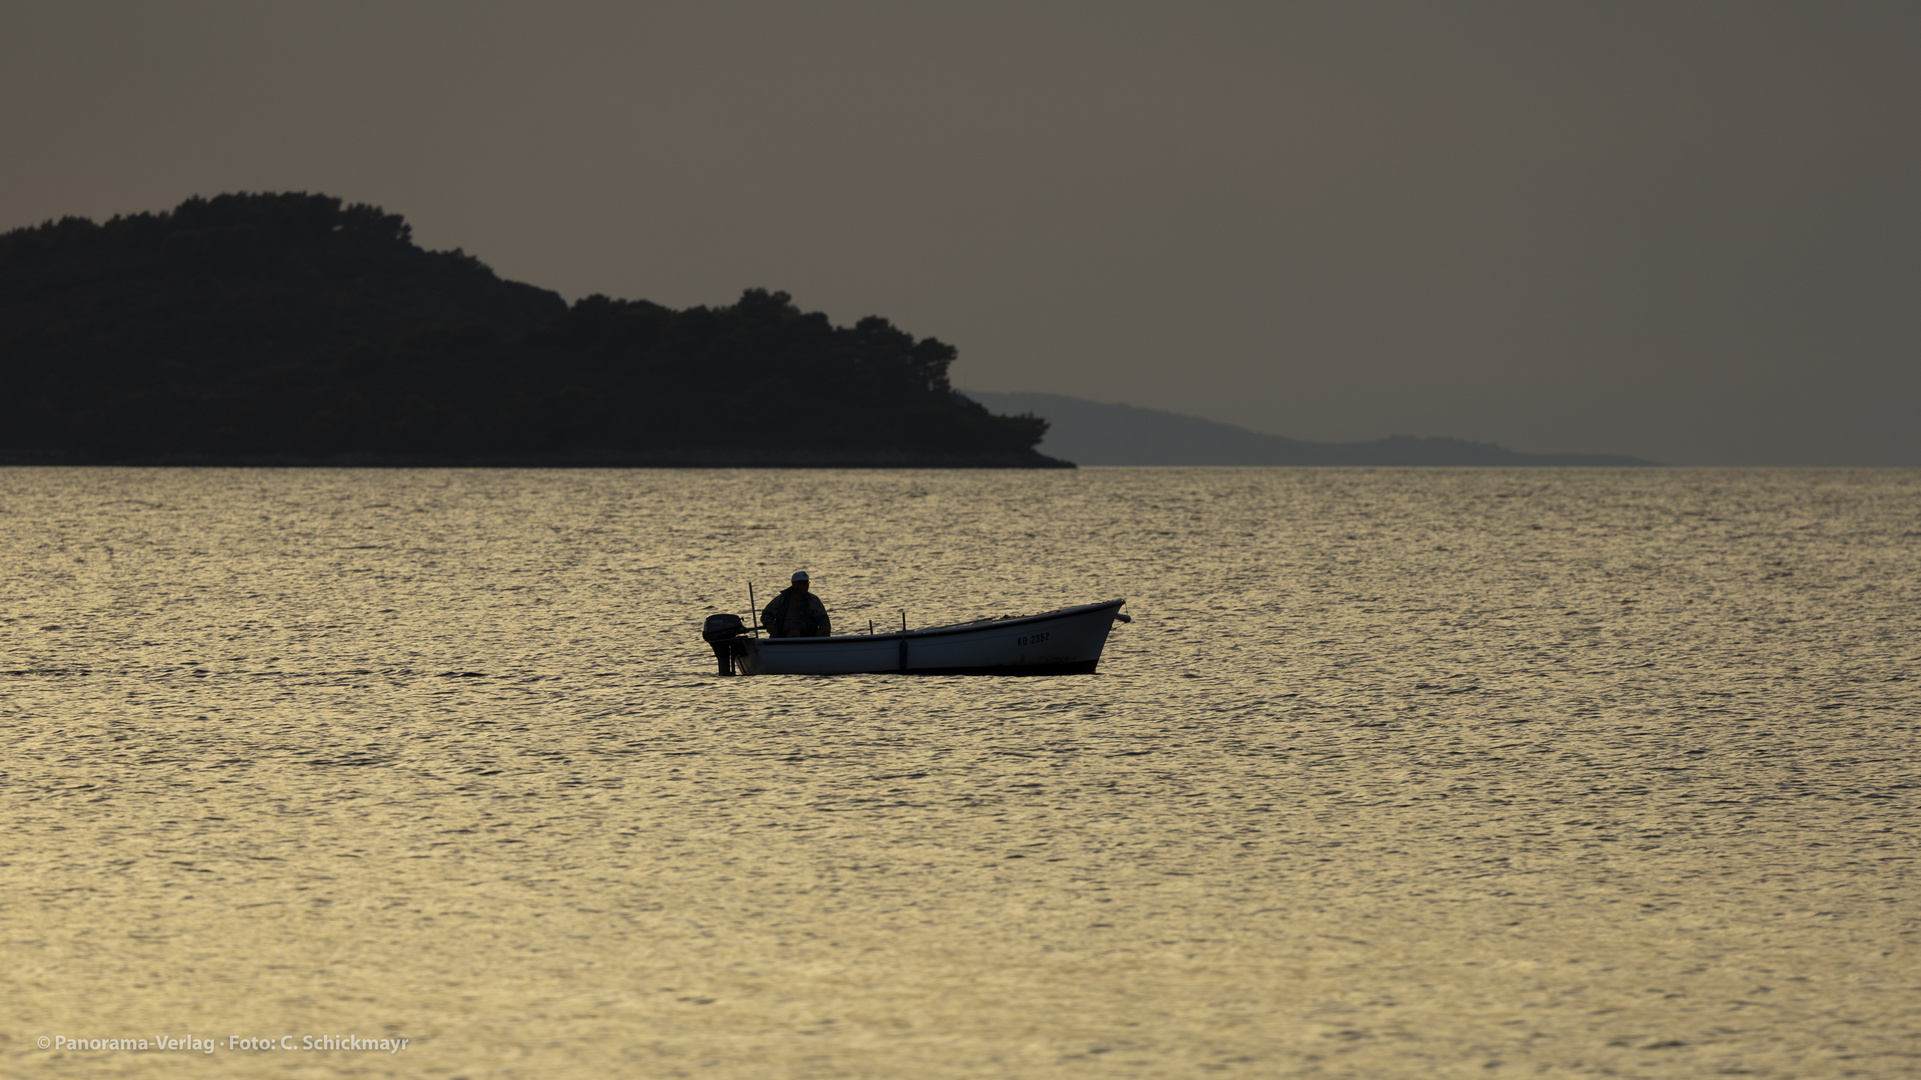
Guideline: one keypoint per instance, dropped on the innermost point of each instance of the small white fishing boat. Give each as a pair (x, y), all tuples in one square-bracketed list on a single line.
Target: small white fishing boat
[(1064, 642)]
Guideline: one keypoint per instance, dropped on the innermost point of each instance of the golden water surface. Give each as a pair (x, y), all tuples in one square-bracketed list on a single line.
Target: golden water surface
[(1397, 773)]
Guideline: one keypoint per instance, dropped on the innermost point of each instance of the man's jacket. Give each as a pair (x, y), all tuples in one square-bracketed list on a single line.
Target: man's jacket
[(813, 616)]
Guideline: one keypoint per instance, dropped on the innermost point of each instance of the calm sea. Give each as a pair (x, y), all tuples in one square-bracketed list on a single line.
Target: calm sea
[(1396, 773)]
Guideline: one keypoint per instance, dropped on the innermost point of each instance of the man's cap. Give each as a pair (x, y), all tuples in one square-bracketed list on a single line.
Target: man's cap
[(800, 575)]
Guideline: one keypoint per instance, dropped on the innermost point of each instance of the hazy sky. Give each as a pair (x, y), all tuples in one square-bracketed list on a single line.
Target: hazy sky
[(1688, 231)]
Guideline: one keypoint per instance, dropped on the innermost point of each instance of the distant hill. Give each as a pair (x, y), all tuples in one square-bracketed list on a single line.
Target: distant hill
[(293, 329), (1092, 433)]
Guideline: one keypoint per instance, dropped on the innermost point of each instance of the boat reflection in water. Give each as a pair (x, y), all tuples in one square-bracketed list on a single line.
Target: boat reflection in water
[(1064, 642)]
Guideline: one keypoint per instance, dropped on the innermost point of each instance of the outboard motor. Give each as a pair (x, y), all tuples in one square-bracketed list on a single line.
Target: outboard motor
[(721, 631)]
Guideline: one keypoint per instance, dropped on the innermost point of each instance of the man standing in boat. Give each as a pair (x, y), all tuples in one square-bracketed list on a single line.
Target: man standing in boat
[(796, 612)]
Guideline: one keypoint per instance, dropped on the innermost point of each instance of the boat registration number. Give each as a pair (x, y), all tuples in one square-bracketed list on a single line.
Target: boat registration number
[(1031, 639)]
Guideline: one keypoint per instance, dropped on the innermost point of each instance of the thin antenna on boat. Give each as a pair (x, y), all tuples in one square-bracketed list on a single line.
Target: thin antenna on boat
[(903, 620), (753, 609), (870, 628)]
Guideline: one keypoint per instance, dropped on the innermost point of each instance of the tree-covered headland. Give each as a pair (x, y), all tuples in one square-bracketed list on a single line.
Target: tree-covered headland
[(291, 328)]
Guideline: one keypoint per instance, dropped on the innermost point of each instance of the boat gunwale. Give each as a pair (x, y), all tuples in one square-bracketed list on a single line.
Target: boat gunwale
[(941, 631)]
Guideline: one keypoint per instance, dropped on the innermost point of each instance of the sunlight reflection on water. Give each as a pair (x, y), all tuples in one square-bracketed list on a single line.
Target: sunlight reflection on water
[(1395, 773)]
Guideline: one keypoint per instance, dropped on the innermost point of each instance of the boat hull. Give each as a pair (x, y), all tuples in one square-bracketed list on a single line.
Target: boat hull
[(1064, 642)]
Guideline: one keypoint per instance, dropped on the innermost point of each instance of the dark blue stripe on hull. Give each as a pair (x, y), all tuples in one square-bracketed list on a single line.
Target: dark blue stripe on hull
[(1079, 667)]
